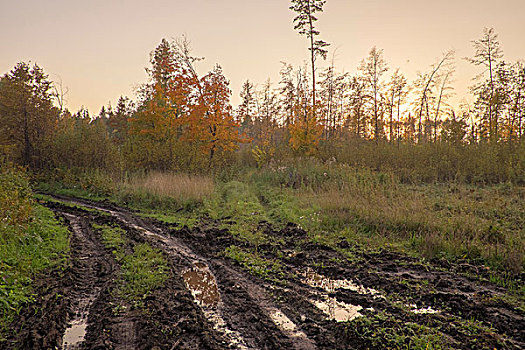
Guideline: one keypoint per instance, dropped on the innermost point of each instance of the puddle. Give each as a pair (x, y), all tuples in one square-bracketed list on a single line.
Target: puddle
[(76, 331), (424, 310), (288, 327), (316, 280), (74, 334), (338, 311), (282, 321), (202, 285)]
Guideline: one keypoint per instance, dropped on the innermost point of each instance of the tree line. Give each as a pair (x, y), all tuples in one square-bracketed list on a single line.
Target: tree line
[(181, 120)]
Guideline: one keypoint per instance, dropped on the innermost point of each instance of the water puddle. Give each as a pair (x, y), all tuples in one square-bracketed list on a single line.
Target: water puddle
[(203, 287), (76, 331), (316, 280), (282, 321), (289, 327), (202, 284), (338, 311), (74, 334), (423, 310)]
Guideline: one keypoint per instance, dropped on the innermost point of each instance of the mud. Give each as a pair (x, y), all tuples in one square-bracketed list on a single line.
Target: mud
[(321, 300)]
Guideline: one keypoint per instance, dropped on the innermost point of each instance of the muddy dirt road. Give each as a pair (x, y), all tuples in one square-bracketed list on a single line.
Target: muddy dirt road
[(322, 298)]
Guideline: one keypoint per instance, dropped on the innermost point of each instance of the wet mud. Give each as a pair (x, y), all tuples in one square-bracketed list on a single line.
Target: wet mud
[(321, 300)]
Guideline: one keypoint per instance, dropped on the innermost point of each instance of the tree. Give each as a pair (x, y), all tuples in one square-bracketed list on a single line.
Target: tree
[(118, 121), (27, 115), (288, 91), (357, 120), (487, 53), (305, 130), (304, 23), (454, 129), (213, 123), (164, 106), (425, 83), (246, 110), (373, 68), (441, 101), (397, 94), (333, 89)]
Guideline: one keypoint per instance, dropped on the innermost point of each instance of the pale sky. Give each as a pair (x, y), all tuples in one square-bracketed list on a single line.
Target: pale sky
[(99, 48)]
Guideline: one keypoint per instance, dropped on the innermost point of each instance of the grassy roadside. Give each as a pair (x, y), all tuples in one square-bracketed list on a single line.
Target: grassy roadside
[(32, 241)]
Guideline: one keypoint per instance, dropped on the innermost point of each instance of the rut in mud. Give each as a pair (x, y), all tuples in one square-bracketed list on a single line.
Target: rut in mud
[(321, 300)]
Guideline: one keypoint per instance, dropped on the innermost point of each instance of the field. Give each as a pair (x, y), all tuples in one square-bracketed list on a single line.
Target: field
[(304, 256)]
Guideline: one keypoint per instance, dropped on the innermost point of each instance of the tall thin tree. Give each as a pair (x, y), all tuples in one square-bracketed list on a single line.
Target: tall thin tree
[(304, 23)]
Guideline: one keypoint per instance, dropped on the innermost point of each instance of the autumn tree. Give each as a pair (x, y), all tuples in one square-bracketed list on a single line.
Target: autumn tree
[(164, 105), (27, 115), (305, 130), (212, 123), (304, 23)]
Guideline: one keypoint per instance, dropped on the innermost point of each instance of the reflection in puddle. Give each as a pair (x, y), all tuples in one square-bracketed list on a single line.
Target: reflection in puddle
[(288, 327), (338, 311), (315, 280), (202, 284), (203, 287), (74, 334)]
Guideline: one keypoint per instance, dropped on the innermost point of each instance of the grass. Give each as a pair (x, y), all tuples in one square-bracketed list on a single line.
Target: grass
[(165, 190), (255, 264), (43, 244), (142, 271), (114, 239), (480, 224), (31, 242)]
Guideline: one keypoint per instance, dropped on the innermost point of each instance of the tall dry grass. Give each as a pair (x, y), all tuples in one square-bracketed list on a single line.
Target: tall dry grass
[(158, 186)]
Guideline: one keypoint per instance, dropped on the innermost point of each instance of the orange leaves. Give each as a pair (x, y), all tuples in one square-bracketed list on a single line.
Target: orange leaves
[(181, 110), (305, 134), (212, 123)]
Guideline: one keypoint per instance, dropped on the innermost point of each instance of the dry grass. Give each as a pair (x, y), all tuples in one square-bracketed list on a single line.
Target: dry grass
[(455, 220), (180, 187)]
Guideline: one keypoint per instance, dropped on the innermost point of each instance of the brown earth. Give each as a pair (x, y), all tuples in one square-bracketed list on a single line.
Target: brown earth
[(222, 306)]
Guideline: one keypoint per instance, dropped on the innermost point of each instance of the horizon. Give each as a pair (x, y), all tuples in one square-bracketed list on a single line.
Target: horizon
[(99, 63)]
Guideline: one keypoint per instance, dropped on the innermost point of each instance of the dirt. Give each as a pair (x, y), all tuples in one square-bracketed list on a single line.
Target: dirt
[(321, 299)]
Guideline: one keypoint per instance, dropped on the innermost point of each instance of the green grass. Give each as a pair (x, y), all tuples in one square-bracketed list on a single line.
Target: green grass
[(24, 253), (114, 239), (255, 264), (142, 272)]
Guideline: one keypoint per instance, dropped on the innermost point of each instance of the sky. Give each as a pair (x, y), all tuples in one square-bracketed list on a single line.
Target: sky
[(99, 49)]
